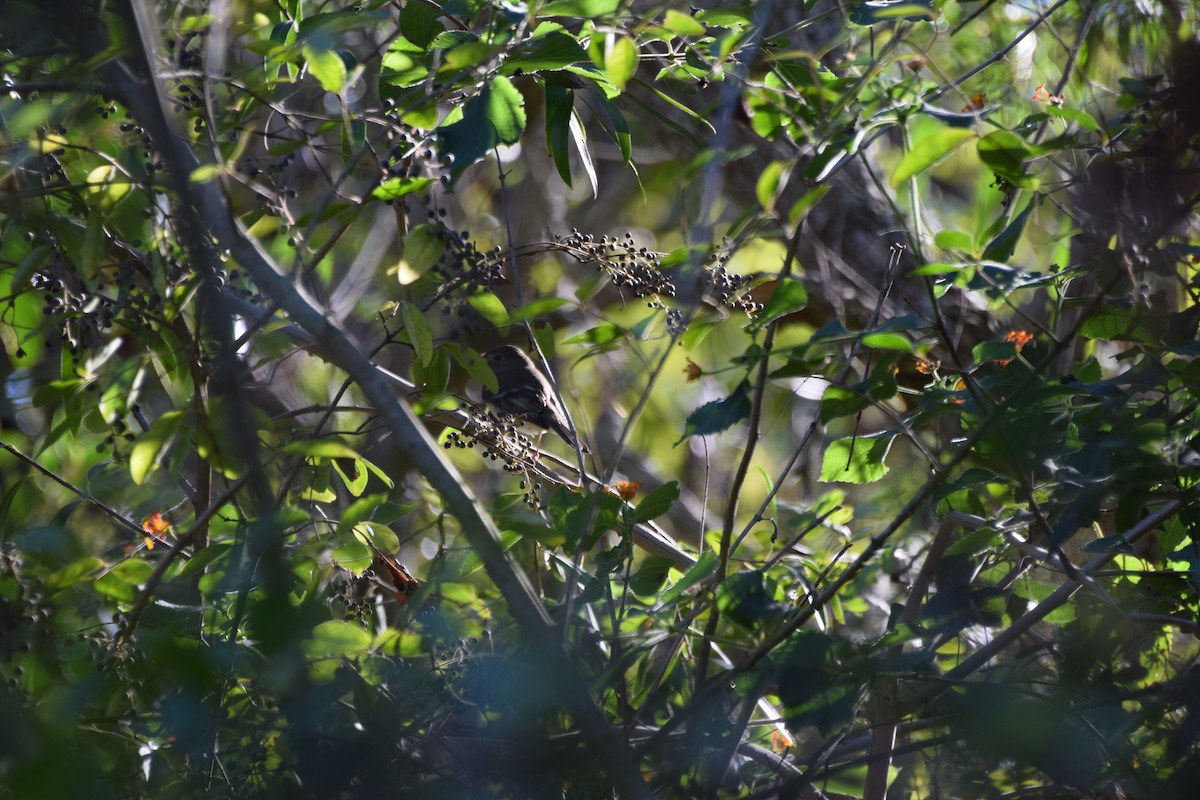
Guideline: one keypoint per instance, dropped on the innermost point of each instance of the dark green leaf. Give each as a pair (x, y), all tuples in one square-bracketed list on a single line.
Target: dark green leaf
[(651, 575), (560, 103), (718, 415), (1116, 323), (746, 599), (1001, 248), (986, 352), (419, 22), (495, 116), (657, 502)]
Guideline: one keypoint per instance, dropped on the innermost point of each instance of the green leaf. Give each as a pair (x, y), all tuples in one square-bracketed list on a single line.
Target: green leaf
[(122, 582), (928, 152), (620, 63), (29, 264), (560, 104), (490, 308), (448, 40), (856, 459), (651, 575), (419, 22), (788, 297), (602, 334), (746, 598), (887, 341), (197, 563), (381, 537), (551, 52), (422, 248), (657, 502), (418, 330), (506, 111), (359, 510), (938, 268), (729, 17), (766, 188), (319, 449), (401, 69), (1076, 115), (395, 188), (1005, 153), (840, 402), (356, 480), (954, 240), (1116, 324), (337, 638), (352, 553), (538, 308), (327, 67), (78, 571), (579, 8), (704, 568), (473, 363), (718, 415), (145, 453), (91, 249), (986, 352), (615, 125), (1001, 248), (683, 24), (495, 116), (435, 377), (805, 204)]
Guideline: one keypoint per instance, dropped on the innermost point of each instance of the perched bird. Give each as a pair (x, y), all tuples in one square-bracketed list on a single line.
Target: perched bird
[(525, 393)]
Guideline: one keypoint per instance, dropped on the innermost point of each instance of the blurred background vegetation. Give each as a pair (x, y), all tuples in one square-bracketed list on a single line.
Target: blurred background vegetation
[(879, 320)]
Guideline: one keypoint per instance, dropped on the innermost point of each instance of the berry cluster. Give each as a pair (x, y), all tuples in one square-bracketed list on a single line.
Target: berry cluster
[(354, 595), (500, 439), (729, 289), (24, 613), (626, 264), (408, 153)]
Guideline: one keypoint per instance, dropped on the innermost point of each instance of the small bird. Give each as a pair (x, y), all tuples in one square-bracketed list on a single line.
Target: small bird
[(525, 393)]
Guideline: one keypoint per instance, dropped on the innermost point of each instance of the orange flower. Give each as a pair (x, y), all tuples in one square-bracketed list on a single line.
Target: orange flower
[(1042, 95), (157, 526), (927, 367), (693, 371), (626, 490), (1019, 338)]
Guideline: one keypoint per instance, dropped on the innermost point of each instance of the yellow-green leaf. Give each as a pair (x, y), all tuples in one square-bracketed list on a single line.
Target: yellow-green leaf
[(621, 61), (929, 151)]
